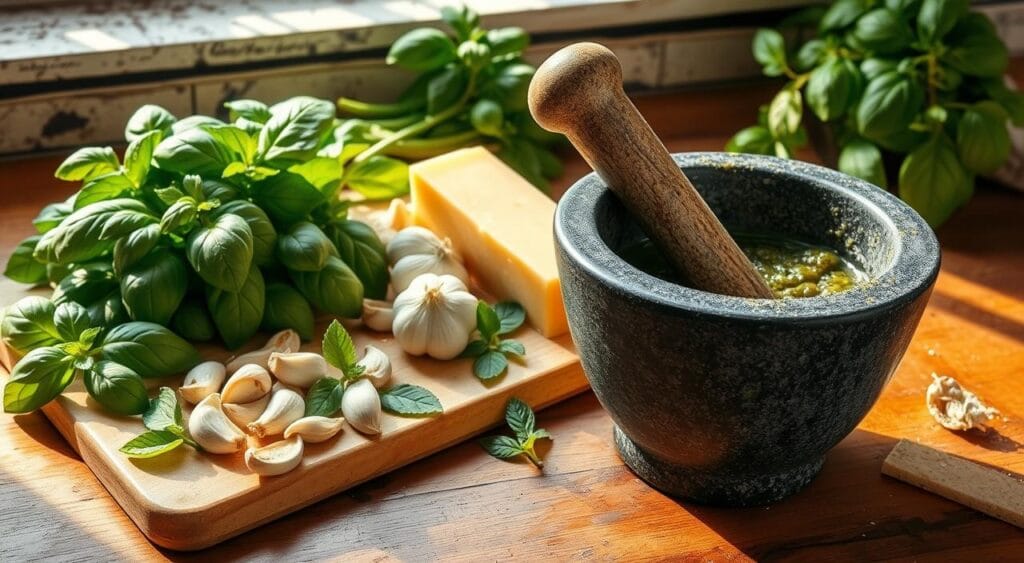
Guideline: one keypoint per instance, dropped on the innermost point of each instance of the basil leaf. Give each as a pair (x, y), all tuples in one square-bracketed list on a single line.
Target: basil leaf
[(264, 236), (322, 173), (193, 322), (117, 388), (770, 50), (833, 88), (520, 418), (501, 447), (810, 54), (236, 140), (132, 248), (982, 139), (102, 188), (149, 349), (179, 216), (51, 216), (86, 233), (882, 31), (379, 177), (338, 348), (756, 139), (936, 18), (511, 85), (251, 110), (490, 364), (446, 88), (194, 151), (285, 308), (359, 247), (71, 320), (335, 289), (874, 67), (88, 163), (324, 397), (975, 48), (304, 247), (152, 288), (216, 189), (889, 105), (842, 13), (510, 315), (462, 19), (294, 130), (163, 411), (863, 160), (507, 41), (138, 155), (933, 181), (22, 266), (28, 324), (785, 112), (222, 253), (422, 49), (286, 197), (474, 349), (194, 122), (151, 444), (37, 379), (146, 119), (513, 347), (86, 285), (1011, 100), (237, 315), (487, 321), (410, 400)]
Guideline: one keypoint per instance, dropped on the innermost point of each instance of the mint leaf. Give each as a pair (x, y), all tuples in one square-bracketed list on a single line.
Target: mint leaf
[(163, 412), (490, 364), (324, 397), (501, 447), (520, 418), (513, 347), (338, 348), (487, 321), (411, 400), (151, 444), (474, 349), (511, 316)]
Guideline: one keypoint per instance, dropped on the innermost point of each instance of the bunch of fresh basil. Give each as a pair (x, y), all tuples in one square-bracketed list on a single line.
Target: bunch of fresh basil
[(920, 78), (470, 90)]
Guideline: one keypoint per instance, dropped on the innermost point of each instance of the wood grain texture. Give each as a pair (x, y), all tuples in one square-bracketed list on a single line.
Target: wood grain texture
[(463, 505), (578, 92), (995, 492)]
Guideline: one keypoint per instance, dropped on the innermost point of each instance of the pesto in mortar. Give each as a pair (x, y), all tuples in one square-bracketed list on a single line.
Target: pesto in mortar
[(791, 268)]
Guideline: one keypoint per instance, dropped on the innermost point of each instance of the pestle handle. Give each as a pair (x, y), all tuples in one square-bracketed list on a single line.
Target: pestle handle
[(578, 92)]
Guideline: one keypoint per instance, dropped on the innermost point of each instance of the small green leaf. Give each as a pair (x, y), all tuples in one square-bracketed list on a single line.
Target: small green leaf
[(88, 336), (933, 181), (842, 13), (149, 118), (71, 320), (487, 321), (338, 348), (513, 347), (785, 112), (756, 139), (501, 447), (117, 388), (975, 48), (151, 444), (139, 154), (863, 160), (379, 177), (520, 418), (163, 411), (248, 109), (490, 364), (511, 316), (410, 400), (37, 379), (102, 188), (22, 266), (937, 17), (982, 139), (422, 49), (28, 324), (474, 349), (882, 31), (88, 163), (324, 397), (770, 50)]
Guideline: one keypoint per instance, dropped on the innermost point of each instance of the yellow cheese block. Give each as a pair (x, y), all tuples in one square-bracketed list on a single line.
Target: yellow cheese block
[(500, 224)]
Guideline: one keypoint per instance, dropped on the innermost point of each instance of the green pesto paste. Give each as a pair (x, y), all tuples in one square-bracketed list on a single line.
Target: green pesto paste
[(791, 268)]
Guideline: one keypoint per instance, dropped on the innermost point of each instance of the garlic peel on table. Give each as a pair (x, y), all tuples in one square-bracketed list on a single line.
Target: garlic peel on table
[(415, 251), (277, 458), (954, 407), (435, 316), (212, 429)]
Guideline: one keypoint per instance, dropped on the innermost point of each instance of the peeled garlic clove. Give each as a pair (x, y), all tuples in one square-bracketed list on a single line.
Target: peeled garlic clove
[(284, 341), (212, 430), (244, 413), (285, 407), (249, 383), (202, 381), (277, 458), (378, 315), (442, 261), (301, 369), (361, 406), (314, 429), (376, 366)]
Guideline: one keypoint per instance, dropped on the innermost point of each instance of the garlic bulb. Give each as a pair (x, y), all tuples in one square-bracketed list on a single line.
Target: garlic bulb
[(285, 407), (378, 315), (361, 406), (202, 381), (285, 341), (277, 458), (314, 429), (244, 413), (376, 366), (212, 430), (415, 251), (249, 383), (435, 316), (300, 369)]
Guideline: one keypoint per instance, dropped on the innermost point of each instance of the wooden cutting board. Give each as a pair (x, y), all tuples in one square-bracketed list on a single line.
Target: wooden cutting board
[(186, 500)]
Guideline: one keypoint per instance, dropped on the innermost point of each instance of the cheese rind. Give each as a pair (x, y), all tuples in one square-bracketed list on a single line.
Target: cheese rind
[(499, 223)]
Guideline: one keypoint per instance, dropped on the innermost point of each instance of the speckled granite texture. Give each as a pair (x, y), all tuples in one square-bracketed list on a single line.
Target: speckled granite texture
[(735, 401)]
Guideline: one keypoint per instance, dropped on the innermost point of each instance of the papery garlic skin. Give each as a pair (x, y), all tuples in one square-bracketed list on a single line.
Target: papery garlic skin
[(300, 369), (314, 429), (275, 459), (415, 251), (435, 316), (286, 340), (248, 383), (378, 315), (361, 407), (954, 407), (244, 413), (376, 366), (202, 381), (285, 407), (212, 430)]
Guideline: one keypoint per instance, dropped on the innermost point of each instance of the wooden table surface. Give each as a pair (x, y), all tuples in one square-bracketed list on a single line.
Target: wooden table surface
[(461, 504)]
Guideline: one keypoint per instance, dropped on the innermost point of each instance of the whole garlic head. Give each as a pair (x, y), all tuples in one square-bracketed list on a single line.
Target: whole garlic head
[(434, 316), (415, 251)]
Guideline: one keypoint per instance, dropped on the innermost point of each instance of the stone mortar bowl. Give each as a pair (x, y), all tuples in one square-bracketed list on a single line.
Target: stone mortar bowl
[(734, 401)]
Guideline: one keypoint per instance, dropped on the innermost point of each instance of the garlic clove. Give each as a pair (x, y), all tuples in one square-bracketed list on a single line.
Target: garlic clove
[(378, 315), (285, 407), (435, 316), (314, 429), (412, 240), (247, 384), (202, 381), (284, 341), (361, 407), (244, 413), (300, 369), (212, 429), (275, 459), (376, 366), (443, 262)]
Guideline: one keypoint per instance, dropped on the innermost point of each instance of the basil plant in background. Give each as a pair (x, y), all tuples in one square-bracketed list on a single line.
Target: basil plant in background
[(922, 80)]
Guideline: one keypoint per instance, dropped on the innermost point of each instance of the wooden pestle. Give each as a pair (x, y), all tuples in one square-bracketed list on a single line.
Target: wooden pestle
[(578, 92)]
